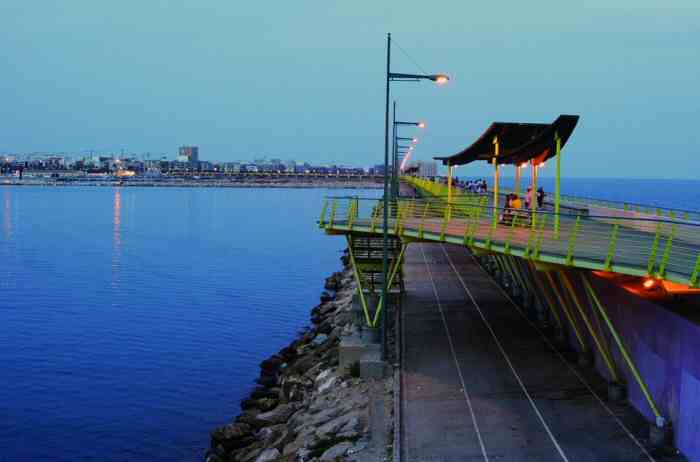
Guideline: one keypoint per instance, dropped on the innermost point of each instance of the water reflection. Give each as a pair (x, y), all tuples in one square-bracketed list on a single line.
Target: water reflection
[(117, 236), (7, 214)]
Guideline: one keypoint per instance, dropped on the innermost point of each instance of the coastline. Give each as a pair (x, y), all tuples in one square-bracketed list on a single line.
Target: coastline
[(304, 408), (334, 184)]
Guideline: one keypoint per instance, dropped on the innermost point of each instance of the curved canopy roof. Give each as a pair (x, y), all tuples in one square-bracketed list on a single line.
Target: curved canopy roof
[(518, 142)]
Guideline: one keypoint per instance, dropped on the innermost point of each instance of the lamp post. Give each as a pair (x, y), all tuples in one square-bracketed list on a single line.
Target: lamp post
[(395, 167), (440, 79)]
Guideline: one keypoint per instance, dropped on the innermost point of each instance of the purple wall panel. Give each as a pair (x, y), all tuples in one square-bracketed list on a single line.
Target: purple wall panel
[(666, 349), (688, 428)]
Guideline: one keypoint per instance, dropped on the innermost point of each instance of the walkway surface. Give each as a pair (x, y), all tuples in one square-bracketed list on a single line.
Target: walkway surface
[(479, 382)]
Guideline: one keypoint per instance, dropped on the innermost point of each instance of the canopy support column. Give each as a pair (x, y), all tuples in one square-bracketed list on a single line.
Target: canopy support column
[(533, 195), (449, 183), (557, 192), (496, 178), (518, 174), (449, 191)]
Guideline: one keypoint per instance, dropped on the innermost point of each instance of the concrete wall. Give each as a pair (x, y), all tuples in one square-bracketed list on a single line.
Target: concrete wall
[(666, 348)]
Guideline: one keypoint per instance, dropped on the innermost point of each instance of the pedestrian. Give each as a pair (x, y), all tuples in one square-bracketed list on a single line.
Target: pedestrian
[(540, 197), (528, 198)]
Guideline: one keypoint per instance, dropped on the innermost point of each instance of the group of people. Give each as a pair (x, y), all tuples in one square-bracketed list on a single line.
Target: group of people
[(476, 186), (472, 186), (514, 205)]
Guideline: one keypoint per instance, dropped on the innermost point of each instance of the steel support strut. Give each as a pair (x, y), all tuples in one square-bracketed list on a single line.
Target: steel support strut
[(594, 335), (358, 279), (567, 312), (660, 420)]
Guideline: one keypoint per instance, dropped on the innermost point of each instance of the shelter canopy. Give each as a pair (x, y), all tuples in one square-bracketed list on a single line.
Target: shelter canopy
[(518, 142)]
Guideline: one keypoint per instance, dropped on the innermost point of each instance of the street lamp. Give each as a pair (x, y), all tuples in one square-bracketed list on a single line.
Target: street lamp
[(439, 79), (395, 162)]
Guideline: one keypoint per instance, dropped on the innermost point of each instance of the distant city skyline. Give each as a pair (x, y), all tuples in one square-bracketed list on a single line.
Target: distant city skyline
[(306, 80)]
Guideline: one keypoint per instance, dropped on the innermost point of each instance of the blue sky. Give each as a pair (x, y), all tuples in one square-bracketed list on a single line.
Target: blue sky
[(304, 79)]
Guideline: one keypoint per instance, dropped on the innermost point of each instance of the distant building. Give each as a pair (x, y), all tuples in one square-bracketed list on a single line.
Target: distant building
[(427, 168), (191, 153), (289, 166)]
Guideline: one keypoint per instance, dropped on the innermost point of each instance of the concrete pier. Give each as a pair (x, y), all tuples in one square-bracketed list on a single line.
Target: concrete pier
[(481, 382)]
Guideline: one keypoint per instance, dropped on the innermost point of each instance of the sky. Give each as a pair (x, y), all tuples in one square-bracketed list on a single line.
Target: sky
[(305, 80)]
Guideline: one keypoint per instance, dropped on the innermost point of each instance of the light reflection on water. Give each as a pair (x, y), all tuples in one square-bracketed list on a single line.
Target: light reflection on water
[(133, 320), (117, 235), (7, 213)]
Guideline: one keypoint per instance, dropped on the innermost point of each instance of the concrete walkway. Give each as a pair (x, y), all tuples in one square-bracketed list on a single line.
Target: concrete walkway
[(480, 383)]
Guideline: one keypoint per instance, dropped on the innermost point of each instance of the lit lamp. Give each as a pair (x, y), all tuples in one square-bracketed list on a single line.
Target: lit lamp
[(439, 79)]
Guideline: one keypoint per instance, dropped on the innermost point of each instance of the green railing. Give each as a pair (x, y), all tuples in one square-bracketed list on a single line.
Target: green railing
[(659, 247)]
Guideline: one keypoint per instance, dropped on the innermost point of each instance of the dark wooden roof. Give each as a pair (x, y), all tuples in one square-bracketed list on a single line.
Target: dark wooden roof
[(519, 142)]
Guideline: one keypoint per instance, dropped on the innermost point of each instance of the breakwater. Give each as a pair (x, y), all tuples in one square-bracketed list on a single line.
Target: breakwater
[(304, 407)]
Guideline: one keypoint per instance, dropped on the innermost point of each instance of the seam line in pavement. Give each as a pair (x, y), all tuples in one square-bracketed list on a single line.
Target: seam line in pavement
[(506, 357), (454, 357), (572, 369)]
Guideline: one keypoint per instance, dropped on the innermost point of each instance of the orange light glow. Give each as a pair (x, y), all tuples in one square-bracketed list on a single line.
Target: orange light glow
[(649, 284), (442, 79), (421, 124)]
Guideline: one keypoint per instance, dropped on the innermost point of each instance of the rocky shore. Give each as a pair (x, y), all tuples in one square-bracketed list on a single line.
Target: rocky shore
[(304, 408)]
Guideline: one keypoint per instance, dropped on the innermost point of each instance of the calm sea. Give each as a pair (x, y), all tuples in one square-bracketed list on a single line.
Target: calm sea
[(132, 320)]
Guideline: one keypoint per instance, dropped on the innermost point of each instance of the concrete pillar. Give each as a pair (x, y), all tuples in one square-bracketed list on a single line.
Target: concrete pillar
[(617, 392), (660, 435)]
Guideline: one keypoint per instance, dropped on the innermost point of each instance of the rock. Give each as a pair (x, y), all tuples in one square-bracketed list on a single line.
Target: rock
[(280, 438), (303, 364), (294, 387), (288, 353), (266, 404), (325, 327), (327, 385), (248, 454), (323, 375), (232, 436), (326, 297), (272, 364), (268, 455), (319, 339), (294, 446), (279, 415), (329, 429), (263, 392), (248, 403), (326, 415), (342, 318), (313, 372), (250, 417), (351, 430), (339, 450), (267, 380), (330, 357), (328, 308)]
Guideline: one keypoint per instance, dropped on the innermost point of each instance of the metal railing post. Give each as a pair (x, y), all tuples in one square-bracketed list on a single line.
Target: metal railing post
[(667, 250), (612, 247), (696, 273), (322, 220), (334, 208), (572, 241)]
